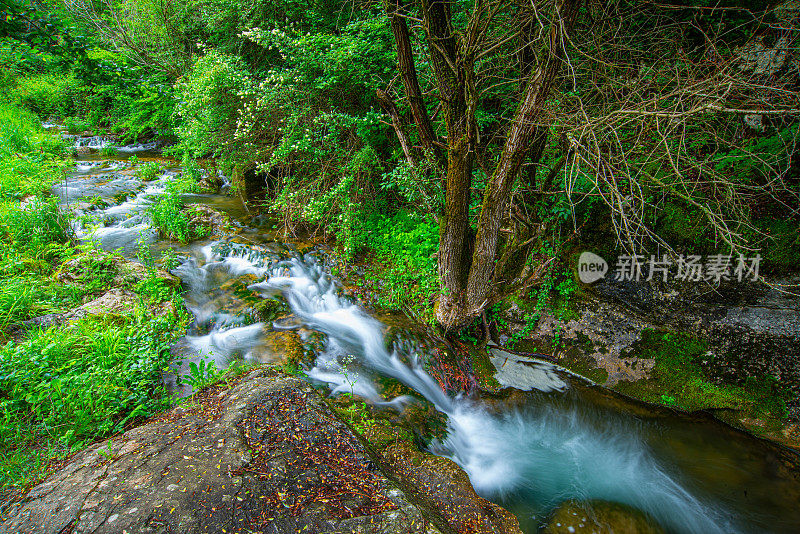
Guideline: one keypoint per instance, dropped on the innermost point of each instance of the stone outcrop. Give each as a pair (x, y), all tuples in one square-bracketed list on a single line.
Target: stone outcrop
[(267, 455), (752, 329)]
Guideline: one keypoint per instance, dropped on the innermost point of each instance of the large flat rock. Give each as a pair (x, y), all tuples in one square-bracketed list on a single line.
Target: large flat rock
[(267, 455)]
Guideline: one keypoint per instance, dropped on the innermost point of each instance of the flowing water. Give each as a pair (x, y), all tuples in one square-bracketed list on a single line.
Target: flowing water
[(569, 439)]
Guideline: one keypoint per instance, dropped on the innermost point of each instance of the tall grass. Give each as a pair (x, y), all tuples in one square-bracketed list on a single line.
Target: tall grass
[(31, 159), (34, 225)]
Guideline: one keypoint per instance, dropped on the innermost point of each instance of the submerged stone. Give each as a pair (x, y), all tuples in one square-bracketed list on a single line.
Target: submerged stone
[(599, 517)]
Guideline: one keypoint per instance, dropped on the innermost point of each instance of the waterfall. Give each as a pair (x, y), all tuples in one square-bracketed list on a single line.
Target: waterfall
[(546, 454)]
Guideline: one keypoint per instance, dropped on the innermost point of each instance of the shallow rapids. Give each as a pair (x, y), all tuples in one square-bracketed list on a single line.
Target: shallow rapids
[(568, 440)]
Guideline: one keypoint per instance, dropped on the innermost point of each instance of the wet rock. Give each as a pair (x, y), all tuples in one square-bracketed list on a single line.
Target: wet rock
[(599, 517), (264, 456), (210, 183), (441, 486), (43, 321), (270, 309), (211, 221)]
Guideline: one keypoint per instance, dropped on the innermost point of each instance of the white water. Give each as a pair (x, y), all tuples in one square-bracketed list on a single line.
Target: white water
[(545, 455)]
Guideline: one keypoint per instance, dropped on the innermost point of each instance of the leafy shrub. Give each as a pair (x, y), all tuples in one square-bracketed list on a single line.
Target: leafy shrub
[(210, 99), (75, 125), (406, 245), (149, 109), (48, 94), (147, 171), (167, 213)]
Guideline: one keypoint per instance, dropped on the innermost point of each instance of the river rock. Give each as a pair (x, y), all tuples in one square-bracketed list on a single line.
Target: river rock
[(524, 373), (215, 222), (267, 455), (599, 517), (445, 488), (115, 301)]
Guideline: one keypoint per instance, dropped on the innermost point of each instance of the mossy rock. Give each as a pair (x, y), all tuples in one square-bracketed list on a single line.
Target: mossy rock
[(484, 371), (269, 309), (428, 423), (599, 517)]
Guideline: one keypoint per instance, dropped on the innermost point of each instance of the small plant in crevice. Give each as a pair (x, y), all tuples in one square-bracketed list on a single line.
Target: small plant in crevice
[(203, 374), (169, 259)]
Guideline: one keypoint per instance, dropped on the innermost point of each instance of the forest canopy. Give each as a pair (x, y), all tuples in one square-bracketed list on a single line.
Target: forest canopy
[(472, 145)]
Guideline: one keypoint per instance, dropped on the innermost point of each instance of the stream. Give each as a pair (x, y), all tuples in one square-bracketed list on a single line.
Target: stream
[(569, 439)]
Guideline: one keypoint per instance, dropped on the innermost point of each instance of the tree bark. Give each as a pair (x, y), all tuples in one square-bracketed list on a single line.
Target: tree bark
[(389, 107), (451, 80), (408, 73), (480, 288)]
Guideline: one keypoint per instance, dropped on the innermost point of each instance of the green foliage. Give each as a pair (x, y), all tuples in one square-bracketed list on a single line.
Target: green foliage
[(405, 262), (168, 215), (419, 186), (148, 171), (75, 125), (169, 259), (29, 157), (203, 375), (148, 109), (210, 100), (48, 94), (34, 225), (87, 381), (553, 294)]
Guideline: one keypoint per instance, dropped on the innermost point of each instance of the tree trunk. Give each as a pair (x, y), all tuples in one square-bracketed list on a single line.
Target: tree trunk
[(480, 292), (451, 80), (408, 72)]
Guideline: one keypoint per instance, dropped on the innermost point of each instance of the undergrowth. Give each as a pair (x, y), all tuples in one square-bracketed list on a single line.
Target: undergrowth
[(64, 386)]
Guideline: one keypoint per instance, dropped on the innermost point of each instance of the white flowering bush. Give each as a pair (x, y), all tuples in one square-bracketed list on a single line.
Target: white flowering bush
[(209, 100)]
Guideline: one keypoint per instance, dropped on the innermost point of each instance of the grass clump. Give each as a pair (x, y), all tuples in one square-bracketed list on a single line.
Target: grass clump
[(63, 387), (148, 171), (35, 225)]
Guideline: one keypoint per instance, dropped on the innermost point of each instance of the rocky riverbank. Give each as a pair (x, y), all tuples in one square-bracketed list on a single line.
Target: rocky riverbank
[(731, 350), (265, 455)]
